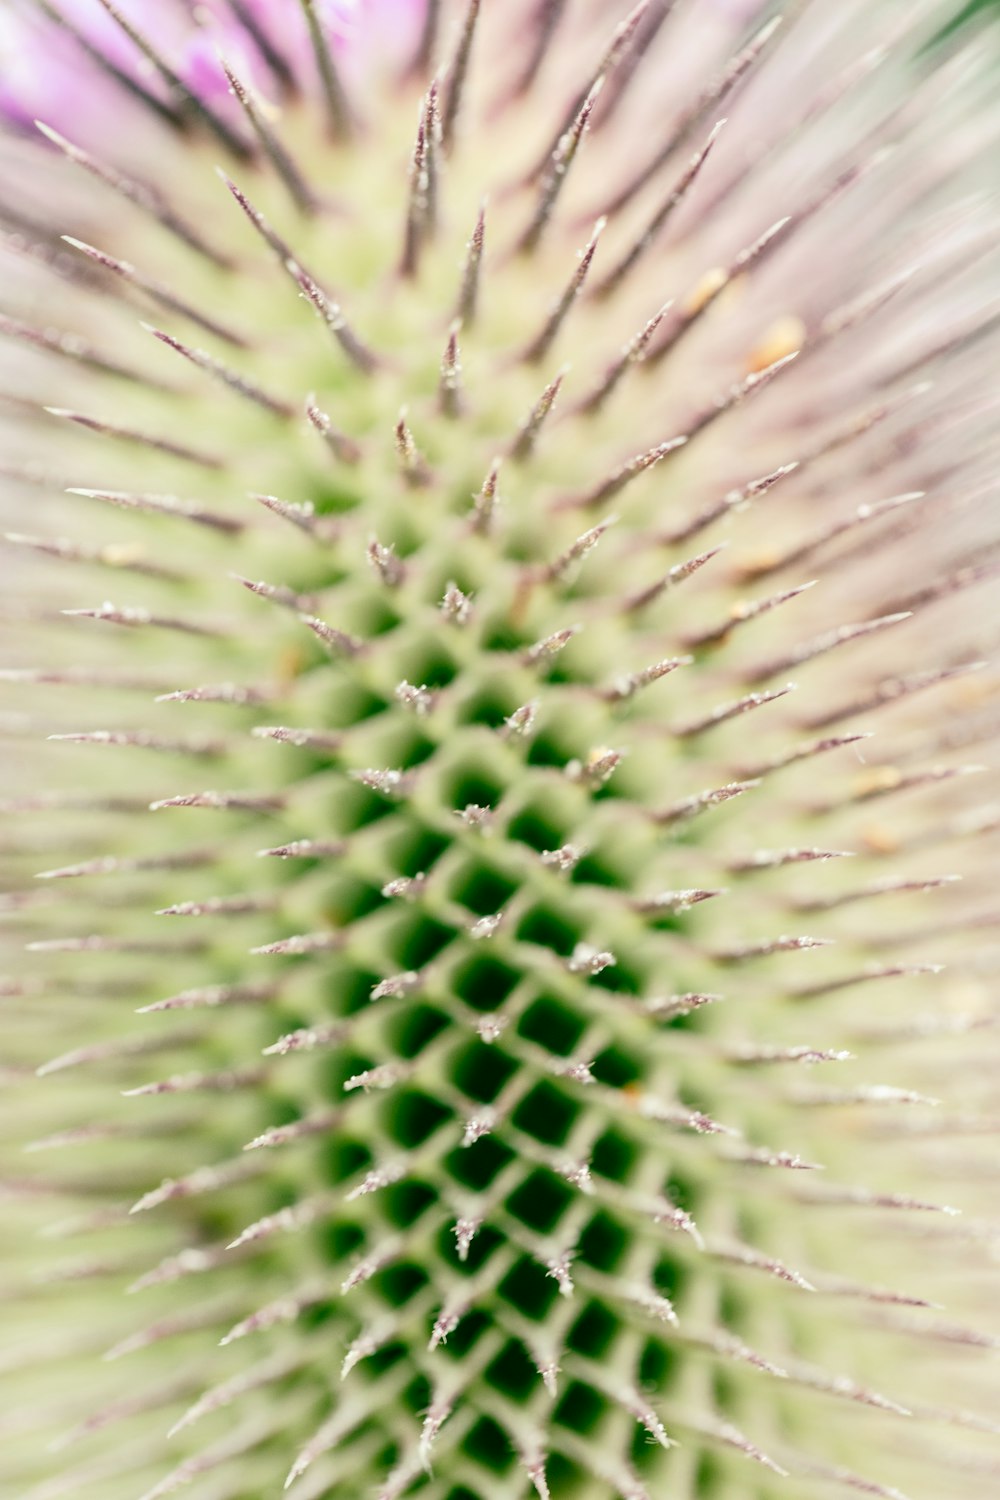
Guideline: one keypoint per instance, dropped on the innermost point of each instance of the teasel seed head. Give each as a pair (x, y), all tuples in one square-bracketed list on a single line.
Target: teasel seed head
[(501, 532)]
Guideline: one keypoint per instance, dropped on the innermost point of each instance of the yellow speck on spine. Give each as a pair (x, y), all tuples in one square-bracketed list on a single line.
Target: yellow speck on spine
[(785, 336)]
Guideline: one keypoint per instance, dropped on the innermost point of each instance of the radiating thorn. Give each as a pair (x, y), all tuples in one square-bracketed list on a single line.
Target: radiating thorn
[(273, 240), (486, 927), (196, 1184), (282, 1310), (613, 485), (732, 502), (275, 594), (766, 947), (298, 944), (386, 564), (142, 195), (161, 109), (863, 1094), (191, 1083), (689, 807), (526, 439), (534, 1467), (479, 1125), (887, 886), (139, 619), (821, 644), (760, 1156), (303, 739), (555, 177), (220, 906), (558, 1267), (416, 228), (672, 901), (623, 39), (305, 849), (659, 219), (742, 613), (434, 1419), (155, 1333), (733, 710), (574, 1071), (378, 1178), (98, 1052), (141, 739), (302, 1129), (163, 505), (863, 976), (756, 1260), (742, 390), (336, 641), (367, 1343), (710, 288), (188, 101), (157, 292), (566, 562), (677, 574), (389, 783), (490, 1026), (385, 1076), (212, 996), (521, 723), (340, 445), (708, 102), (122, 557), (542, 343), (332, 316), (671, 1007), (419, 700), (544, 22), (72, 346), (218, 1397), (646, 1417), (432, 124), (564, 859), (474, 815), (750, 1055), (338, 110), (225, 801), (140, 439), (805, 752), (772, 859), (451, 401), (859, 517), (891, 690), (589, 960), (544, 650), (277, 154), (472, 268), (108, 864), (598, 768), (633, 353), (219, 692), (306, 1038), (415, 468), (456, 606), (405, 887), (626, 687), (397, 986), (456, 74)]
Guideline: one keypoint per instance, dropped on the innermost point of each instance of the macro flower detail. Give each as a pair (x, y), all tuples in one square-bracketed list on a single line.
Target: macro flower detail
[(500, 542)]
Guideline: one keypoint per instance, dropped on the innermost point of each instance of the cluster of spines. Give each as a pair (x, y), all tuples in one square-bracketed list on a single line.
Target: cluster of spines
[(551, 955)]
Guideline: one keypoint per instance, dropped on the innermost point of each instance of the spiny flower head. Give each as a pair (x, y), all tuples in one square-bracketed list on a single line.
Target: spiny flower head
[(500, 510)]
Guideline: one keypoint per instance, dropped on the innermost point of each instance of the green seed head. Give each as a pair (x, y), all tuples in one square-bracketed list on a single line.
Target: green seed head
[(501, 532)]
